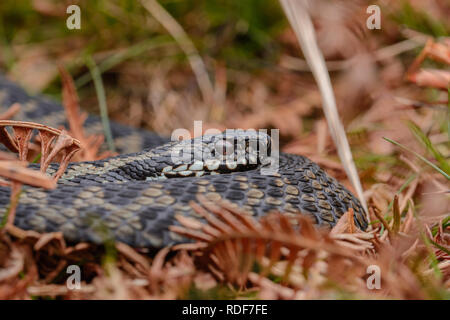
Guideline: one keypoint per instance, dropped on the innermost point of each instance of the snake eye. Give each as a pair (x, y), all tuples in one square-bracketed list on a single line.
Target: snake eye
[(223, 147)]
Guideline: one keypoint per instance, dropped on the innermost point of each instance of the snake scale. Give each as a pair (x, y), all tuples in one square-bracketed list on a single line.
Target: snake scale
[(137, 194)]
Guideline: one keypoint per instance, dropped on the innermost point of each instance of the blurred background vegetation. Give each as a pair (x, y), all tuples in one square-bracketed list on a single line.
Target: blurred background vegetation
[(242, 33), (248, 36)]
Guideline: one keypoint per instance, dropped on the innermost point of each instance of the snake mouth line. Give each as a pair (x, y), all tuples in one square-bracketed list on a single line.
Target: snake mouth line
[(204, 169), (230, 151)]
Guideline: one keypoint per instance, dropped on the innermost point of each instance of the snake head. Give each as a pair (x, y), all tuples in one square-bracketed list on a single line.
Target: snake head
[(229, 151)]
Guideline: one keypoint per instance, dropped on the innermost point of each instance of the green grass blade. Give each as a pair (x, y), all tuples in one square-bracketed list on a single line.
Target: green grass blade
[(445, 224), (440, 247), (123, 55), (400, 190), (100, 90), (37, 158), (420, 157), (422, 137)]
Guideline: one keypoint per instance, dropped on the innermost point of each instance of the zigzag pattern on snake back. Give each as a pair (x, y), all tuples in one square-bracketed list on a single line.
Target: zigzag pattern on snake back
[(136, 195)]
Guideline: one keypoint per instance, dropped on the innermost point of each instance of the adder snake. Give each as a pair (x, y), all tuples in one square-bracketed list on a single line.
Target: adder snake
[(137, 194)]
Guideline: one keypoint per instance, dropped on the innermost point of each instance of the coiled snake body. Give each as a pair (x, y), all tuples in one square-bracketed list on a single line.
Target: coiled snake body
[(137, 195)]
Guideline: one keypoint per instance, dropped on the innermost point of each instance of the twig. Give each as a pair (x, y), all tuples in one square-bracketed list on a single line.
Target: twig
[(300, 20), (13, 171), (396, 214), (180, 36), (298, 64), (383, 222), (12, 110)]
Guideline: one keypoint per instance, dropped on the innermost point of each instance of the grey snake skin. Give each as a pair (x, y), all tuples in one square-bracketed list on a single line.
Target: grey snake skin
[(127, 197)]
